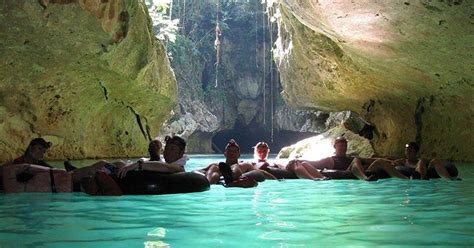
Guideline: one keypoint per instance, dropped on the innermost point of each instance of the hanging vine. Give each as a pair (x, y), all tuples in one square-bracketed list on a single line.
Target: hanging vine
[(256, 35), (270, 31), (217, 42)]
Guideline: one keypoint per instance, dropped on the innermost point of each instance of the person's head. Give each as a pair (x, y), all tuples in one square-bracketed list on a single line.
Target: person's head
[(340, 144), (174, 148), (232, 150), (154, 149), (37, 148), (411, 149), (261, 151)]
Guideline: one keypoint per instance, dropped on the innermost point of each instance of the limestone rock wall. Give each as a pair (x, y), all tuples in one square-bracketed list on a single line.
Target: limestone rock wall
[(87, 75), (287, 118), (405, 66), (321, 146), (204, 112)]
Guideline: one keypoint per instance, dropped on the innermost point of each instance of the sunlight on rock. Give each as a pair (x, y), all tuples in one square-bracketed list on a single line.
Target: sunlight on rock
[(314, 148)]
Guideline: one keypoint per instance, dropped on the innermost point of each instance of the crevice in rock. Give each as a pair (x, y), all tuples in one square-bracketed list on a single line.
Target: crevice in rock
[(106, 94), (432, 99), (420, 109), (145, 130), (429, 5), (41, 3), (367, 131), (369, 105), (122, 31), (62, 1)]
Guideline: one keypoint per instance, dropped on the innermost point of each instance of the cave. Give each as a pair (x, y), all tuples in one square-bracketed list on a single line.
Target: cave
[(249, 135)]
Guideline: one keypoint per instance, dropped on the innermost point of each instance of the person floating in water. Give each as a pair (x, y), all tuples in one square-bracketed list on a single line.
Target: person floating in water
[(31, 173), (441, 169), (279, 171), (261, 152), (412, 167), (149, 176), (404, 168), (235, 173), (338, 166), (175, 159)]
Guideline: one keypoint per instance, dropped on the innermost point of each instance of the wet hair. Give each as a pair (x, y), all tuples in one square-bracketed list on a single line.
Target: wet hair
[(154, 154), (412, 145), (261, 144), (340, 139), (232, 143), (38, 141), (180, 142)]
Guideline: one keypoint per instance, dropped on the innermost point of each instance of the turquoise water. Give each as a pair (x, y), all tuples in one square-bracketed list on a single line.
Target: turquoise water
[(291, 213)]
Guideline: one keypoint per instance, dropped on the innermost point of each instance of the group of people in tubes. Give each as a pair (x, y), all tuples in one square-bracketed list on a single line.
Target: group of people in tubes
[(156, 175)]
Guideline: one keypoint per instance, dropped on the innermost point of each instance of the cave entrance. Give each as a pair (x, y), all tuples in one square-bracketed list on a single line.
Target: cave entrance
[(248, 136)]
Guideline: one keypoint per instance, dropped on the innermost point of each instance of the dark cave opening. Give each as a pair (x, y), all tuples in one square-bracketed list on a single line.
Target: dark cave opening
[(248, 136)]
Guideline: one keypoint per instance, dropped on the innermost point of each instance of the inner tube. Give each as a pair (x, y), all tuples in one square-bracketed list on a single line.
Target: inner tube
[(338, 174), (408, 171), (281, 173), (255, 175), (157, 183), (450, 167)]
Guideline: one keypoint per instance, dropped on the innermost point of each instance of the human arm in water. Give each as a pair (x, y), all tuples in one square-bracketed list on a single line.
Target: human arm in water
[(247, 167), (441, 169), (156, 166)]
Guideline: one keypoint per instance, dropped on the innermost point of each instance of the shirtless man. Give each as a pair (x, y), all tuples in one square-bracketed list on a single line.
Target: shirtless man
[(30, 173), (175, 159), (404, 168), (339, 162), (411, 164), (440, 169), (235, 173), (412, 167), (134, 177)]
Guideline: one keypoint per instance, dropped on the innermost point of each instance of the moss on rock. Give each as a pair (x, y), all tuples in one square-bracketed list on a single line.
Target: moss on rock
[(87, 75), (406, 69)]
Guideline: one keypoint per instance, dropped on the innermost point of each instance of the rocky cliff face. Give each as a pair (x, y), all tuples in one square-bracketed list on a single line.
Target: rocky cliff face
[(87, 75), (405, 66), (246, 79)]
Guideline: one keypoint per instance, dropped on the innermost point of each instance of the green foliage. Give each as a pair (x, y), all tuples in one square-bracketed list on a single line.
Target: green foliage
[(164, 27), (279, 100), (193, 55), (218, 95)]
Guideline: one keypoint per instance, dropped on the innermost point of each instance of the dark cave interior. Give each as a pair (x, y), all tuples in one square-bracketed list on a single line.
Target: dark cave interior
[(248, 136)]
